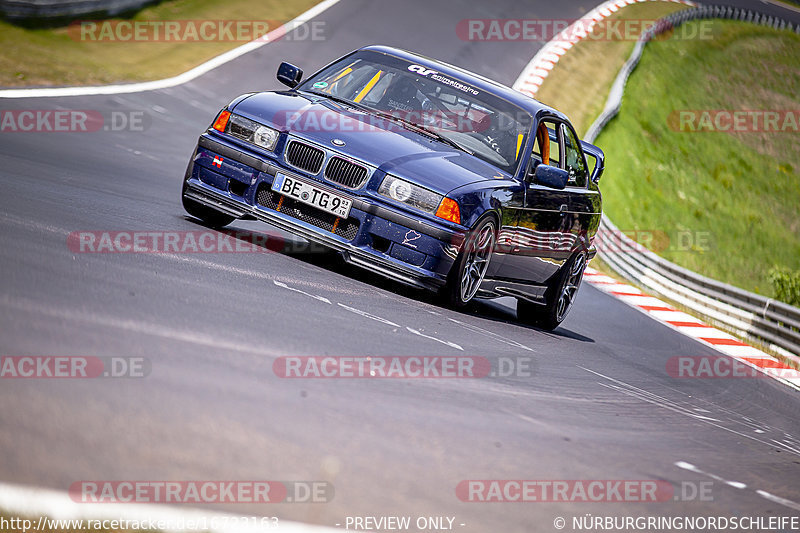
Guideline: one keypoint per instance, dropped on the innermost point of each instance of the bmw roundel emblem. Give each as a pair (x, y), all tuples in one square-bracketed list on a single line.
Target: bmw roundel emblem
[(338, 142)]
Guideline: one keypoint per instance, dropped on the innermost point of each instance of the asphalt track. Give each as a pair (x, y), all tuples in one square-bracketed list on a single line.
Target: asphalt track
[(598, 405)]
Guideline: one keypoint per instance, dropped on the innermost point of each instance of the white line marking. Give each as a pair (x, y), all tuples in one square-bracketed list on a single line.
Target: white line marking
[(657, 400), (777, 499), (795, 450), (216, 266), (738, 485), (369, 315), (491, 334), (180, 79), (285, 286), (648, 396), (692, 468), (643, 396), (448, 343)]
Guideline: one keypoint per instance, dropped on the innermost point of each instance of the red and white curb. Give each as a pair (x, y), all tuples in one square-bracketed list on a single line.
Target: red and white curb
[(694, 328), (543, 62)]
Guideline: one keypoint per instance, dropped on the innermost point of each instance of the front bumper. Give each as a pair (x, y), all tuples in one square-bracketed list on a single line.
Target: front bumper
[(386, 241)]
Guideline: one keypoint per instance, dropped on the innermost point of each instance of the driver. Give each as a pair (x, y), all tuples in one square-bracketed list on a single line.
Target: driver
[(402, 95)]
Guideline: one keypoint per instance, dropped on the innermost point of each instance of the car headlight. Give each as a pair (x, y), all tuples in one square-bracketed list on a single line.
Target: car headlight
[(265, 137), (250, 131), (410, 194)]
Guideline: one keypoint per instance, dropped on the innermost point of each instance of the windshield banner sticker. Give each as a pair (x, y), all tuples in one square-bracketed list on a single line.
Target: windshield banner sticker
[(435, 76)]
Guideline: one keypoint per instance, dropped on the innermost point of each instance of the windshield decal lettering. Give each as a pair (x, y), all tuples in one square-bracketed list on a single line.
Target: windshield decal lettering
[(435, 76)]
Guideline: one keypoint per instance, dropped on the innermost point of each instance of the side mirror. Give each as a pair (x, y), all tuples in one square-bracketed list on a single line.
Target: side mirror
[(289, 74), (552, 177)]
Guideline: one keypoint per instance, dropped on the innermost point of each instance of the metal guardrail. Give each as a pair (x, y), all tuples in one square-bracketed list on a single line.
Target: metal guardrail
[(750, 315)]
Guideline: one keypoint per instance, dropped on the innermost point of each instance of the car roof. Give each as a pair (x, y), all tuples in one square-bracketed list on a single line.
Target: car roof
[(535, 107)]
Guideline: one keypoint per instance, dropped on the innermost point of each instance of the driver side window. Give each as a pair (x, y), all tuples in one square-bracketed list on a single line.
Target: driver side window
[(556, 142), (545, 146), (573, 158), (551, 149)]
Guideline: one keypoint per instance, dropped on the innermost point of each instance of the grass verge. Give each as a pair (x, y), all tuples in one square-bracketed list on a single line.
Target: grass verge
[(740, 190), (723, 204), (58, 56), (588, 69)]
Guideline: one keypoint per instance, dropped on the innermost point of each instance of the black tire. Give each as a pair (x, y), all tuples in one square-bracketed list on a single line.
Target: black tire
[(560, 297), (210, 217), (470, 266)]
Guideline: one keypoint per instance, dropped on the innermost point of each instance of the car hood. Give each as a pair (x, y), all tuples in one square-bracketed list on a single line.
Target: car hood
[(381, 143)]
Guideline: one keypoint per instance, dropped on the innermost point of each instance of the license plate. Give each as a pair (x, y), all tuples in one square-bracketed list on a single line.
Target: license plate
[(305, 192)]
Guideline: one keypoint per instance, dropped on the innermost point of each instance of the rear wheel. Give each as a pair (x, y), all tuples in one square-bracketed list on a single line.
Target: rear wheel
[(471, 264), (559, 297)]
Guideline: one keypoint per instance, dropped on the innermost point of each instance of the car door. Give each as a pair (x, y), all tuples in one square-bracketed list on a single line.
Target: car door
[(584, 196), (543, 225)]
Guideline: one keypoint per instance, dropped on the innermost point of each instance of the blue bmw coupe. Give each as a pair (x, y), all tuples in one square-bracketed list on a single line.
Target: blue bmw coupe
[(413, 169)]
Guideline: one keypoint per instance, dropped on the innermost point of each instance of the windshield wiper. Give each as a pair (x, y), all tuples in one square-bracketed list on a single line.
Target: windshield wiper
[(345, 101)]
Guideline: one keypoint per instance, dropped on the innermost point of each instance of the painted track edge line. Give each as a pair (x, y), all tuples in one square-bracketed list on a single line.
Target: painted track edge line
[(180, 79)]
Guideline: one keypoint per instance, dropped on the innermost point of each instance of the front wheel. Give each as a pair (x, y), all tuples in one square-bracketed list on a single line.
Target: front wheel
[(559, 297), (471, 264)]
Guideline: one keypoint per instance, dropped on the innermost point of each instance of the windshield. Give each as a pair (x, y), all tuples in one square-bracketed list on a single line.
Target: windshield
[(470, 118)]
